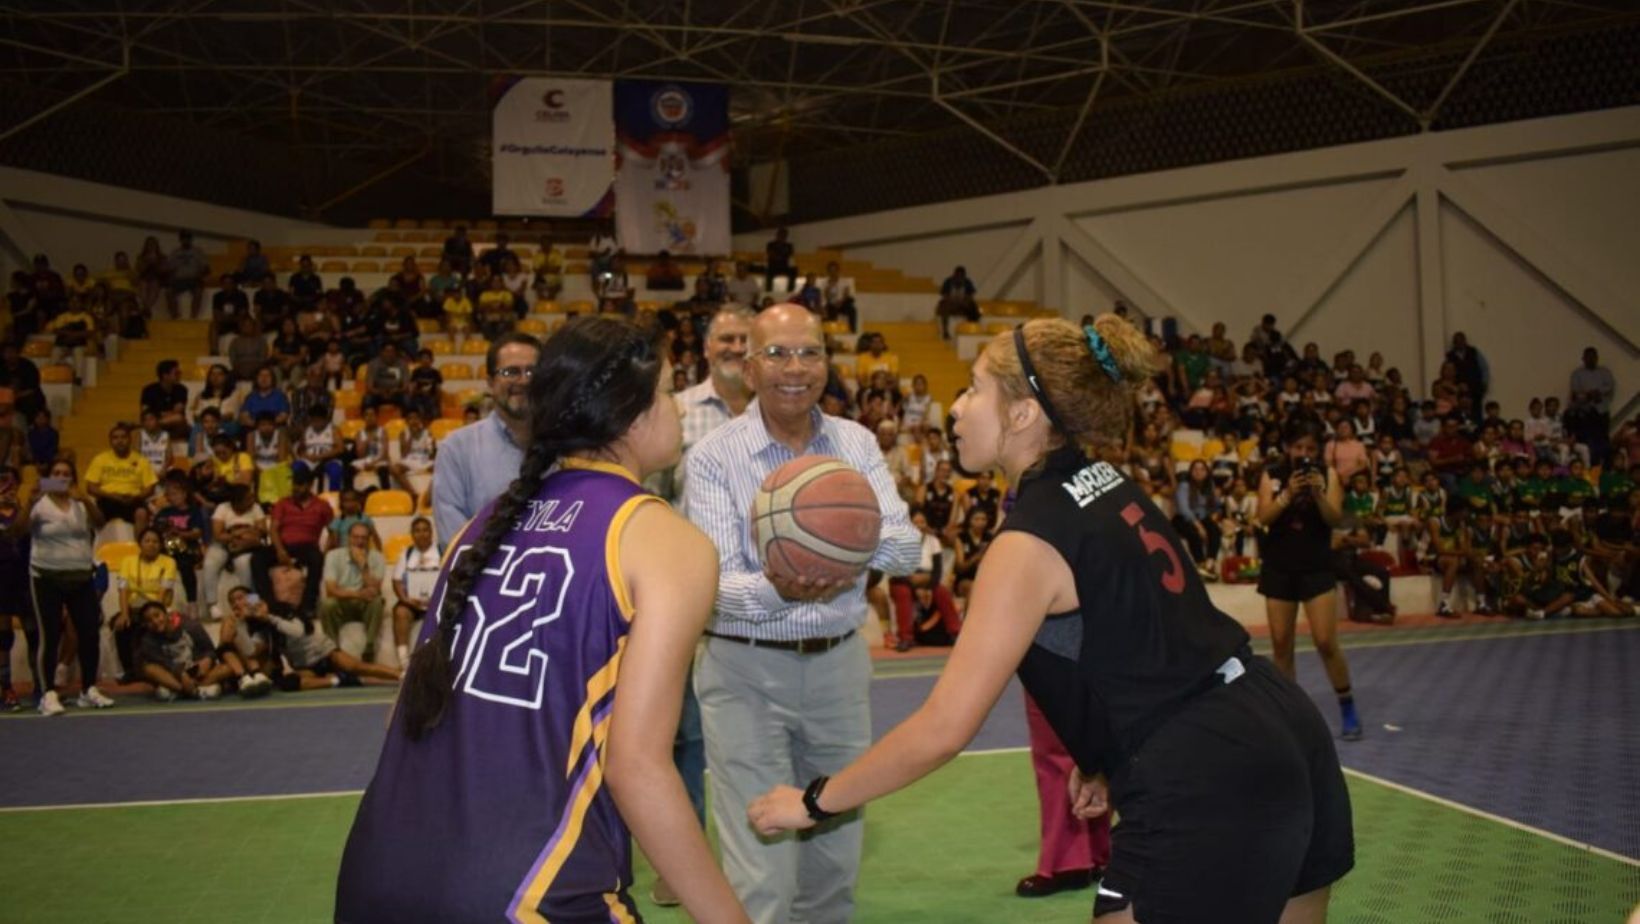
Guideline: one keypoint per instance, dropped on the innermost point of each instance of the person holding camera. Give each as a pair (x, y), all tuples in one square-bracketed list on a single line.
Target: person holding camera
[(1300, 500)]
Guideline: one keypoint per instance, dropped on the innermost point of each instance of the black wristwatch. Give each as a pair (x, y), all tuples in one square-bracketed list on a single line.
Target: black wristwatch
[(811, 798)]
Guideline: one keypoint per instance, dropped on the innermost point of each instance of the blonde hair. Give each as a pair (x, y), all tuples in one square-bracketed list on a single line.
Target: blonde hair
[(1090, 406)]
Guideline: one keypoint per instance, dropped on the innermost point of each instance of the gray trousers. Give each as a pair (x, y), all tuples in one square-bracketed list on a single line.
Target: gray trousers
[(772, 718)]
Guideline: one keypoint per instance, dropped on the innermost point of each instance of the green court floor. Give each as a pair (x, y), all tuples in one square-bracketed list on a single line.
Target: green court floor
[(946, 850)]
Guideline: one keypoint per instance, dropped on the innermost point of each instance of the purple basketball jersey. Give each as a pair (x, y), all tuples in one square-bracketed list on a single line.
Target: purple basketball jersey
[(500, 813)]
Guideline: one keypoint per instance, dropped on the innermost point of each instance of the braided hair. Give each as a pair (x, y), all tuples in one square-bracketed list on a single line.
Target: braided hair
[(591, 382)]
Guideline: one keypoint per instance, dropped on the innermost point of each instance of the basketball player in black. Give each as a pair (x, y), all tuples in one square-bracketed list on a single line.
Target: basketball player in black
[(1233, 807)]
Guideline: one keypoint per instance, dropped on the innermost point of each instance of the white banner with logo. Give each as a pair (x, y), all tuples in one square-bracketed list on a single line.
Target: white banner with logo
[(553, 148), (672, 191)]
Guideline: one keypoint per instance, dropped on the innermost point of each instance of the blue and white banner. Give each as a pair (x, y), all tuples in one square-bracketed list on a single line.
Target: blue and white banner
[(672, 167), (552, 148)]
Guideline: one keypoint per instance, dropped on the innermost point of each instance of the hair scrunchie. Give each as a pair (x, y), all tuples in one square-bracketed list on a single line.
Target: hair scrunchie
[(1101, 352)]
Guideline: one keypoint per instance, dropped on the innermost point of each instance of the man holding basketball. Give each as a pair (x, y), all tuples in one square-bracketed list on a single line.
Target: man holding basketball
[(784, 678)]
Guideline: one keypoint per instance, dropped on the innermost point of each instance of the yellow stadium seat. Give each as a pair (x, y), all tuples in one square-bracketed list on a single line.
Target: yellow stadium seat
[(456, 370), (428, 326), (393, 428), (1000, 327), (379, 223), (545, 306), (406, 223), (534, 326), (372, 250), (435, 224), (348, 401), (402, 251), (444, 426), (332, 498), (387, 414), (579, 307), (113, 554), (470, 397), (440, 347), (365, 266), (36, 349), (474, 346), (432, 251), (391, 503), (485, 224), (424, 504), (575, 269), (198, 373), (57, 374), (395, 546), (350, 429), (969, 327), (333, 266), (389, 237), (344, 250), (648, 305)]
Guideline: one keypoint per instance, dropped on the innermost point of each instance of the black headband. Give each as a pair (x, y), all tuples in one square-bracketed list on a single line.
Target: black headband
[(1030, 379)]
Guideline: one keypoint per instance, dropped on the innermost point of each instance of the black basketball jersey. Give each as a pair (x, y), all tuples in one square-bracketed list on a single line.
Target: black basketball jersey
[(1299, 541), (1146, 637)]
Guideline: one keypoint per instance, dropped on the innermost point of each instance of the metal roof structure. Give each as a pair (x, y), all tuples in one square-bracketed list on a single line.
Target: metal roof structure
[(395, 89)]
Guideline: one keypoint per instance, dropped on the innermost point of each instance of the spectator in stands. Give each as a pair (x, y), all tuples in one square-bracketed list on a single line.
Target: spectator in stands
[(1355, 388), (1588, 413), (149, 576), (1265, 335), (414, 575), (548, 266), (386, 378), (1472, 370), (288, 350), (477, 463), (458, 251), (254, 267), (924, 611), (79, 283), (353, 587), (613, 288), (495, 309), (319, 449), (351, 511), (1198, 509), (265, 398), (153, 443), (50, 292), (151, 272), (717, 286), (26, 317), (185, 272), (15, 602), (43, 439), (956, 300), (251, 639), (938, 499), (248, 349), (417, 450), (1345, 453), (426, 387), (238, 529), (517, 281), (61, 524), (837, 298), (167, 397), (370, 452), (73, 330), (316, 663), (1449, 452), (458, 310), (269, 445), (898, 458), (919, 411), (229, 299), (306, 286), (664, 274), (971, 539), (744, 289), (777, 260), (874, 357), (218, 462), (312, 396), (297, 534), (120, 480), (495, 258), (179, 659), (808, 295), (270, 304)]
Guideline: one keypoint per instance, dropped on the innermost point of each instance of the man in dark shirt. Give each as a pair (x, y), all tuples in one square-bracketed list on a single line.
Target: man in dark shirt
[(458, 251), (426, 386), (495, 259), (386, 378), (297, 534), (956, 298), (1449, 452), (168, 399), (777, 261), (271, 303), (49, 292), (230, 298), (305, 285), (311, 394), (22, 376)]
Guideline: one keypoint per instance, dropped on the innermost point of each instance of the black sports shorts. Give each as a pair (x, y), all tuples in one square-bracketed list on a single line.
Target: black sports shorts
[(1296, 586), (1231, 807)]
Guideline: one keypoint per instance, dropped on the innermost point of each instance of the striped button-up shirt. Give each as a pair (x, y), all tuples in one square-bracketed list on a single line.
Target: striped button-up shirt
[(702, 411), (724, 471)]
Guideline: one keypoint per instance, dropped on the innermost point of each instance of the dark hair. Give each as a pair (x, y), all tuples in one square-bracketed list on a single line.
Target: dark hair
[(592, 380), (165, 367), (301, 476), (508, 339)]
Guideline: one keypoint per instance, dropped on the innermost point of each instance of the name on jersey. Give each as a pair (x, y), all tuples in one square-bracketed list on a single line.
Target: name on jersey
[(1092, 483), (545, 517)]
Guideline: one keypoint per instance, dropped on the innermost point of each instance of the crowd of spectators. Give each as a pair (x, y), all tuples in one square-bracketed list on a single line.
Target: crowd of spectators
[(250, 496)]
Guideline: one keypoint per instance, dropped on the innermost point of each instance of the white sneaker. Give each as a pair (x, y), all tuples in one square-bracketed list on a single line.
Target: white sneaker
[(164, 694), (50, 704), (208, 691), (93, 698)]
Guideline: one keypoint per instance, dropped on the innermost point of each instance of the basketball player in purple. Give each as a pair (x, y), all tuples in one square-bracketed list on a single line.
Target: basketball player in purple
[(513, 773)]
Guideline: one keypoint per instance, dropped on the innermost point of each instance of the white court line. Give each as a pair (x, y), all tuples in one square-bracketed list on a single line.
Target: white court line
[(218, 800), (1499, 819), (146, 708)]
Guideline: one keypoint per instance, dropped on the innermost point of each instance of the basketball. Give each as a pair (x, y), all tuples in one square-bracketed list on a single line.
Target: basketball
[(816, 517)]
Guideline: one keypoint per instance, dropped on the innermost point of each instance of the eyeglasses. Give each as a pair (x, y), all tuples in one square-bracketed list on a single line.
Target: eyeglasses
[(779, 355), (511, 373)]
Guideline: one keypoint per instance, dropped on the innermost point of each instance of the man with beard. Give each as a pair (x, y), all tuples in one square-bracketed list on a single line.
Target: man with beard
[(479, 461), (703, 408)]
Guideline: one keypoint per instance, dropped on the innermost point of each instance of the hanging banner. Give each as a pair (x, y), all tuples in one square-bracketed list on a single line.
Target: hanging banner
[(672, 167), (551, 147)]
